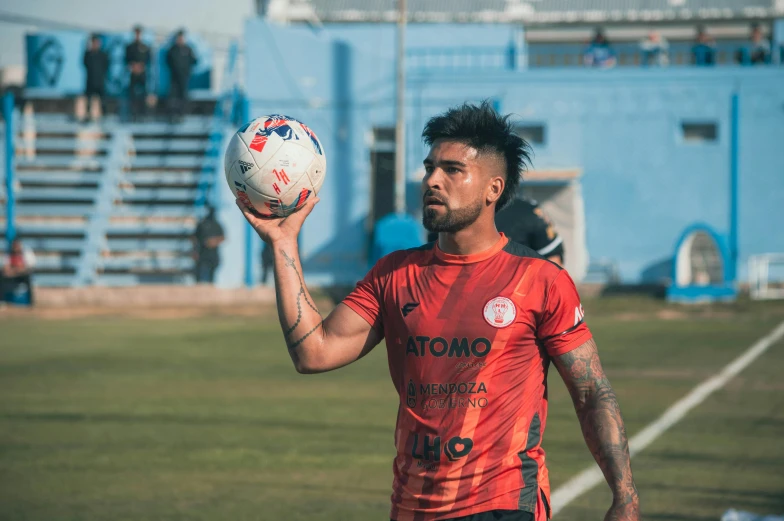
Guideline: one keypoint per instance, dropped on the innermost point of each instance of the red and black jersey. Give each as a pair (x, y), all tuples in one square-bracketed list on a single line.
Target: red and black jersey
[(469, 340)]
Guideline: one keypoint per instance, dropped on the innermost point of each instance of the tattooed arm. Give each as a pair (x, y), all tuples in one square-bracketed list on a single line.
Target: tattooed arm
[(600, 418), (315, 345)]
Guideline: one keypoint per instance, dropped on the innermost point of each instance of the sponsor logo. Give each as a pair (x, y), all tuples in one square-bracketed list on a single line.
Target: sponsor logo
[(579, 314), (408, 308), (470, 365), (454, 403), (446, 396), (240, 186), (500, 312), (430, 449), (454, 348), (245, 166), (453, 388)]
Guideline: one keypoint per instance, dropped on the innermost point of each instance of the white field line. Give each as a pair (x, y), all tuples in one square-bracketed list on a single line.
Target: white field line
[(592, 476)]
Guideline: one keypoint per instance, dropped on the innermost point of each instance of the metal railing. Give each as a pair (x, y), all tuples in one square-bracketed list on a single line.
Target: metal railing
[(760, 285), (543, 55)]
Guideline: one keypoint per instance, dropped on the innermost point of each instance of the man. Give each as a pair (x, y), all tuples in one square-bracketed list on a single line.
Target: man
[(524, 222), (471, 324), (180, 59), (599, 53), (654, 50), (207, 237), (96, 65), (16, 274), (759, 53), (704, 50), (137, 58)]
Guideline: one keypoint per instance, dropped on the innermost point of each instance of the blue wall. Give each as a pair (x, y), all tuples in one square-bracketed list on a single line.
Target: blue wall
[(642, 183)]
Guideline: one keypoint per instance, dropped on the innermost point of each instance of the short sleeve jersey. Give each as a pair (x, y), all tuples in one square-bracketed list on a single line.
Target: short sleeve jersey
[(469, 340)]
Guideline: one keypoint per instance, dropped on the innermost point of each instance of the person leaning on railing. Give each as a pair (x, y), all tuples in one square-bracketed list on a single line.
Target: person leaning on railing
[(704, 49)]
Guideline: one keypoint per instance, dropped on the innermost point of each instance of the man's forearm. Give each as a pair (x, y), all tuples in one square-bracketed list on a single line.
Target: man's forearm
[(605, 434), (299, 316), (600, 419)]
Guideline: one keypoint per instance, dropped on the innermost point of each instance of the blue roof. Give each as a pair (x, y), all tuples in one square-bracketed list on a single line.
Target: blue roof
[(546, 11)]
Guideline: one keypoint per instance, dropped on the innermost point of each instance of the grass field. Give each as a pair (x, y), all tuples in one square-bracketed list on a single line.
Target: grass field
[(205, 418)]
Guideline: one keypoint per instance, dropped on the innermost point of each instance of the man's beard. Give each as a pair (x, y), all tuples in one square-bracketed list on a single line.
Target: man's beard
[(453, 220)]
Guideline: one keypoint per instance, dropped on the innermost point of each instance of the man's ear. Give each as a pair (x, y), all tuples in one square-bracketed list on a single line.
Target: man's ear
[(495, 189)]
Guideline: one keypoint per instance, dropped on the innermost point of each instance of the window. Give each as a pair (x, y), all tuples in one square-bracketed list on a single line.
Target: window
[(534, 133), (699, 132)]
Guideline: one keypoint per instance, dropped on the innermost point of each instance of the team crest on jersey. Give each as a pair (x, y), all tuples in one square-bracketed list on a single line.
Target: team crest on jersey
[(500, 312)]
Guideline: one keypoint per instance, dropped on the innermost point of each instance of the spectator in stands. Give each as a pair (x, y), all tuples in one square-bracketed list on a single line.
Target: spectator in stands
[(704, 49), (759, 53), (96, 65), (599, 53), (180, 60), (654, 50), (137, 59), (207, 237), (266, 262), (16, 275)]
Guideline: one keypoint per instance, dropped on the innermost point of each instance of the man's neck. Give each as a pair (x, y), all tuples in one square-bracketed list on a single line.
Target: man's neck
[(476, 238)]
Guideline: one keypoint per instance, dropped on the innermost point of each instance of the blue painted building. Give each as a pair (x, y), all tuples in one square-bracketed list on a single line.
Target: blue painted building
[(652, 145)]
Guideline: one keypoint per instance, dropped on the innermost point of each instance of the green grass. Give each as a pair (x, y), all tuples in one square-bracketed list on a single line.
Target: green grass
[(205, 418)]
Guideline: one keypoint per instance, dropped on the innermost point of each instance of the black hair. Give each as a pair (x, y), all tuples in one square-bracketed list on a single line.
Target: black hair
[(137, 28), (180, 32), (481, 127), (95, 36)]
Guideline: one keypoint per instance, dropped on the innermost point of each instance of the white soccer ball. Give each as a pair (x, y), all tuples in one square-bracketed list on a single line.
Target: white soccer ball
[(274, 164)]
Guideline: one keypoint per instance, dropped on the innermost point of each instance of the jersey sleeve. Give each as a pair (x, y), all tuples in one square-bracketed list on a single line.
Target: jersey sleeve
[(562, 327), (367, 297)]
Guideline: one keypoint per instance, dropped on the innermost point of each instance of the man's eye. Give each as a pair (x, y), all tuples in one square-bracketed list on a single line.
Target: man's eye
[(428, 169), (452, 170)]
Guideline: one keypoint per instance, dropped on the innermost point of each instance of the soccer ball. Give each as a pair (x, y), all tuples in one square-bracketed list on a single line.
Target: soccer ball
[(274, 164)]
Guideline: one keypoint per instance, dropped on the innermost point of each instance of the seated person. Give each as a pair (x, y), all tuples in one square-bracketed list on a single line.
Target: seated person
[(704, 49), (599, 53), (17, 267)]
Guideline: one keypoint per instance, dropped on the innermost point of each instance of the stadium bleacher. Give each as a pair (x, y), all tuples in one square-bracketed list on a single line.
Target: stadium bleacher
[(112, 203)]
